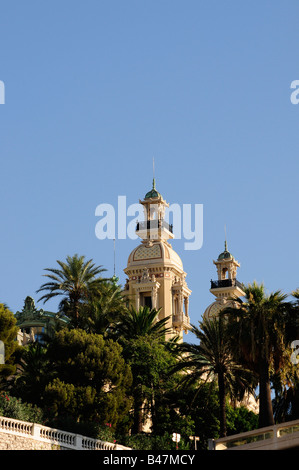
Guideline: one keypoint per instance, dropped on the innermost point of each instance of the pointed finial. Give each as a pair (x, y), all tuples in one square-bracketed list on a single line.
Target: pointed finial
[(114, 278), (154, 181), (225, 242), (114, 257)]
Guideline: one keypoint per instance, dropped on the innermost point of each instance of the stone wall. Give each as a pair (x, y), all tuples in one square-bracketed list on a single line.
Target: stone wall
[(21, 435), (13, 442)]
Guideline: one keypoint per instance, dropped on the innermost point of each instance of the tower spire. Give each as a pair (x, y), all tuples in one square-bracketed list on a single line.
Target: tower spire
[(115, 279), (114, 257), (225, 241), (154, 181)]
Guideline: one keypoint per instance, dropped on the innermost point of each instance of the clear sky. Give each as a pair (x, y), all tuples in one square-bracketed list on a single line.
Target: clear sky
[(95, 89)]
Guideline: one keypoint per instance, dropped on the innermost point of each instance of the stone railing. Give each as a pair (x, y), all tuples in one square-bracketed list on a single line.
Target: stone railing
[(276, 437), (54, 437), (181, 320)]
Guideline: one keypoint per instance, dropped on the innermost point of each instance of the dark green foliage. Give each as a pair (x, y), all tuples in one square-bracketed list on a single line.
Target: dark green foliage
[(111, 371), (211, 360), (199, 406), (34, 373), (150, 364), (260, 339), (146, 441), (77, 282), (241, 419), (91, 378), (142, 337), (8, 333), (137, 323), (13, 407), (104, 309)]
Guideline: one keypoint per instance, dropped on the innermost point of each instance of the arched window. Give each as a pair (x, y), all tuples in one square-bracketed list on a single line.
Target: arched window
[(224, 273)]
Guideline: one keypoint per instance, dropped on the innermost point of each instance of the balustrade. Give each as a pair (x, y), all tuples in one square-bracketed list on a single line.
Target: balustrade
[(55, 436)]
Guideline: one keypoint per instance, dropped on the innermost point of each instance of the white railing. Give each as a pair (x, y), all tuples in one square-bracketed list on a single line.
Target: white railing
[(53, 436), (15, 427), (278, 436)]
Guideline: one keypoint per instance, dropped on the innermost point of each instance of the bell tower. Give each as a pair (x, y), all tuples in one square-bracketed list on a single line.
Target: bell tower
[(154, 226), (155, 274), (226, 288)]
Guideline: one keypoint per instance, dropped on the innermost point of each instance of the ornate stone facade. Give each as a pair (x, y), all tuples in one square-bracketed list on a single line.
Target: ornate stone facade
[(33, 322), (226, 288), (155, 274)]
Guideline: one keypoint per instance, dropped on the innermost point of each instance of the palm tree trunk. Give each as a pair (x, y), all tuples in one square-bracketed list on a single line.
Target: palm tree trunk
[(265, 403), (221, 387), (138, 412)]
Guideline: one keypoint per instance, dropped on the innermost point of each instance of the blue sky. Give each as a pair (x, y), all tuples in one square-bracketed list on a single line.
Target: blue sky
[(94, 90)]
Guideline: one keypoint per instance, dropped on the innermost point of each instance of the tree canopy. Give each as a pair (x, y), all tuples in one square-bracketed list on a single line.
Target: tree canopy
[(111, 365), (8, 334)]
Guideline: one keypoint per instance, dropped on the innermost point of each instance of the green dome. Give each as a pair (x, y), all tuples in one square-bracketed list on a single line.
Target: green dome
[(153, 192), (225, 254)]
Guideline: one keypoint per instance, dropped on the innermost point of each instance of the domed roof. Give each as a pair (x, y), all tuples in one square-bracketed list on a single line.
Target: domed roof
[(225, 254), (215, 308), (153, 192), (157, 252)]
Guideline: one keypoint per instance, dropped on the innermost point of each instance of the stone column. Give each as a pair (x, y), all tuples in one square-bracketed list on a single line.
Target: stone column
[(181, 308), (186, 306), (173, 303), (137, 300), (154, 296)]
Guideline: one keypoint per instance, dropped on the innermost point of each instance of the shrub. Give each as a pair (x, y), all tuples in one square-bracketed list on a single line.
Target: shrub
[(144, 441), (240, 419), (12, 407)]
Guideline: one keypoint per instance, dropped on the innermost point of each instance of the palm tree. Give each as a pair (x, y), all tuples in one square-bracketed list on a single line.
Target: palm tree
[(210, 361), (135, 323), (294, 327), (286, 381), (286, 402), (258, 331), (105, 309), (34, 373), (142, 336), (76, 282)]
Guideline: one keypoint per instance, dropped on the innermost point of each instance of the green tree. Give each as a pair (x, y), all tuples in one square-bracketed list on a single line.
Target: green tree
[(142, 337), (92, 379), (76, 282), (8, 335), (286, 400), (171, 413), (293, 330), (286, 380), (144, 321), (189, 410), (240, 419), (258, 339), (13, 407), (33, 374), (211, 360), (105, 309), (150, 362)]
